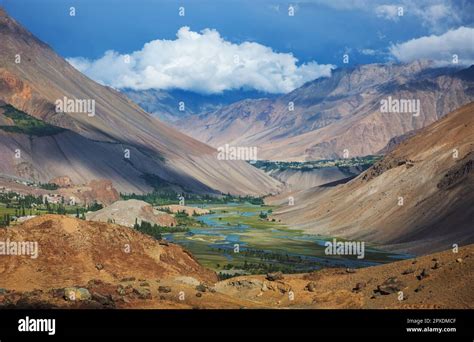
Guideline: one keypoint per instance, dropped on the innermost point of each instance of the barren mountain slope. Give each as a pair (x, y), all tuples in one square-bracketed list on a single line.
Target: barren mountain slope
[(300, 180), (42, 77), (73, 251), (88, 259), (337, 113), (419, 198)]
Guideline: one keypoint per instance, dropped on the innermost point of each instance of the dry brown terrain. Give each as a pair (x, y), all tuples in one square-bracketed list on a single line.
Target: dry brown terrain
[(418, 198), (73, 251), (83, 264), (126, 212), (301, 180)]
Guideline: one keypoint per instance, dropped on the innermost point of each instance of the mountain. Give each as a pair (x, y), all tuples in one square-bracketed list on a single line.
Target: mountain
[(418, 198), (165, 104), (338, 113), (84, 147)]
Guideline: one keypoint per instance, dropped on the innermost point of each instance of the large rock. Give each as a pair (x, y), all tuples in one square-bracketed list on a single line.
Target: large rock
[(142, 292), (391, 285), (76, 294), (274, 276)]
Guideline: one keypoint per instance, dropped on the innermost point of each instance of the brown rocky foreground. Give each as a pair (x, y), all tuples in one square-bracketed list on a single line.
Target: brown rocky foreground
[(83, 264)]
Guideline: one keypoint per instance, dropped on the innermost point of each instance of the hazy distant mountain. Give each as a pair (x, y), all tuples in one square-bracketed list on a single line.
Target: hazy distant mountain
[(342, 112), (173, 105), (92, 147), (417, 198)]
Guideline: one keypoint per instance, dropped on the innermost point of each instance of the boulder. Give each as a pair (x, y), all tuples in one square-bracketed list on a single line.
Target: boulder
[(201, 288), (105, 300), (76, 294), (311, 286), (391, 285), (142, 293), (274, 276), (164, 289), (424, 274)]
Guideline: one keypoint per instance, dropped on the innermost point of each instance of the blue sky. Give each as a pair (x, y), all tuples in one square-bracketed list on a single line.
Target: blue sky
[(321, 31)]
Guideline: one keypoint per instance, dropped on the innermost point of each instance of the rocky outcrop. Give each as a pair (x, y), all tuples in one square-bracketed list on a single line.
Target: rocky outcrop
[(458, 172), (62, 182)]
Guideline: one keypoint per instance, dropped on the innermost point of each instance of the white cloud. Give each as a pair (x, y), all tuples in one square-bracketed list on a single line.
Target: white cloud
[(437, 15), (439, 48), (202, 62), (389, 12)]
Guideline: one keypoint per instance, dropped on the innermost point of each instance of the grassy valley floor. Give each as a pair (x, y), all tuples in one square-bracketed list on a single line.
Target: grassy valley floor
[(237, 238)]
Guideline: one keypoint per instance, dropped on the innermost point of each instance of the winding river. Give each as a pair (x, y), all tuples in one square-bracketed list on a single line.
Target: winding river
[(236, 237)]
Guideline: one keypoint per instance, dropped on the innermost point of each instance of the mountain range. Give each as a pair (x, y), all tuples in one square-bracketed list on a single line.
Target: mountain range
[(338, 116), (175, 105)]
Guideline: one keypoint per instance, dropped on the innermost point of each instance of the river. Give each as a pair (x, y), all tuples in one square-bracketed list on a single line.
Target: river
[(237, 241)]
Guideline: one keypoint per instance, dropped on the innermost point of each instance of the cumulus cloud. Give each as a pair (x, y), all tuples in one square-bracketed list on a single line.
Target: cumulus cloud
[(439, 48), (203, 62)]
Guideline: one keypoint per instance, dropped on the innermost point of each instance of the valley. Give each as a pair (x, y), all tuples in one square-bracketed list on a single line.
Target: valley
[(239, 239), (346, 206)]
